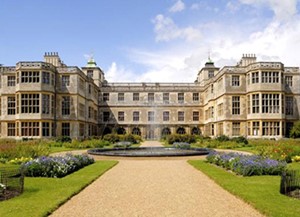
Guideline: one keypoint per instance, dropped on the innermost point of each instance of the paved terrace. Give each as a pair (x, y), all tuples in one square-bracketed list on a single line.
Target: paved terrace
[(154, 187)]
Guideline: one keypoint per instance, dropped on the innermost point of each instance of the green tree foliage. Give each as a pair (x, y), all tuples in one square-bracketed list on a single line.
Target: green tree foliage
[(295, 131)]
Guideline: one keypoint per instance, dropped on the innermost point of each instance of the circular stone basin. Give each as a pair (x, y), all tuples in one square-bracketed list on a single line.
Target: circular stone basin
[(149, 152)]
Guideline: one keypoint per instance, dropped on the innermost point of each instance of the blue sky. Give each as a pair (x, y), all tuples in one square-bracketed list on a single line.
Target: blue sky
[(152, 41)]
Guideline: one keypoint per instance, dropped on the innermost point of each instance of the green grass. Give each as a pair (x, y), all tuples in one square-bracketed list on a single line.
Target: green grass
[(60, 149), (262, 192), (43, 195)]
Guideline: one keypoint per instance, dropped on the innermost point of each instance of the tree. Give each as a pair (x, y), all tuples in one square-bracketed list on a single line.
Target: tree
[(295, 131)]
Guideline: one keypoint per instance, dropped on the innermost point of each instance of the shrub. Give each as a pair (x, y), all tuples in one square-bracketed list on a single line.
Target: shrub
[(56, 166), (114, 138), (247, 165), (222, 138), (295, 131), (18, 149), (240, 139), (180, 138), (64, 139)]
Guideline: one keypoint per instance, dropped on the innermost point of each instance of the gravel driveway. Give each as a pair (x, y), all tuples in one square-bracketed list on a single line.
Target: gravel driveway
[(154, 188)]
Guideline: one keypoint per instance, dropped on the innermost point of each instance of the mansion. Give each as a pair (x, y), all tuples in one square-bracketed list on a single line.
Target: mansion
[(50, 99)]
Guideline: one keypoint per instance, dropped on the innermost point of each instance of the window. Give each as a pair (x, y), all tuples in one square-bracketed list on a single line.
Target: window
[(52, 79), (52, 105), (210, 74), (220, 129), (106, 116), (30, 103), (212, 129), (255, 78), (30, 128), (11, 129), (65, 81), (166, 98), (30, 77), (136, 116), (45, 128), (65, 129), (11, 105), (180, 97), (236, 128), (121, 97), (11, 81), (212, 88), (289, 105), (271, 128), (136, 97), (248, 105), (105, 97), (121, 116), (289, 80), (270, 103), (81, 109), (90, 73), (90, 89), (270, 77), (65, 105), (195, 116), (46, 77), (151, 116), (220, 109), (235, 80), (211, 111), (150, 97), (166, 116), (180, 116), (81, 129), (255, 103), (235, 105), (255, 128), (45, 104), (195, 97), (90, 111)]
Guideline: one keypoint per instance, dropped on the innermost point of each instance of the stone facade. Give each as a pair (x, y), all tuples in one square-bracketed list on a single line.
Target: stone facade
[(49, 99)]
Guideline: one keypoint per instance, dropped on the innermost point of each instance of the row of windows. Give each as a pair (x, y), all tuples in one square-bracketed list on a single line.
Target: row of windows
[(269, 128), (33, 129), (151, 97), (151, 116), (268, 77)]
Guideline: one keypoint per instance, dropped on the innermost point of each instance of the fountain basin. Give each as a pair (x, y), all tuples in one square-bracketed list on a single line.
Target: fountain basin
[(148, 152)]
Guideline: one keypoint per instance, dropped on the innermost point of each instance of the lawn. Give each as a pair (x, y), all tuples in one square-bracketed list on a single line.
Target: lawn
[(43, 195), (262, 192)]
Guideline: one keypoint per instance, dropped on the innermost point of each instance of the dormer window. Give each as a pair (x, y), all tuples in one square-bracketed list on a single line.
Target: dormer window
[(210, 74)]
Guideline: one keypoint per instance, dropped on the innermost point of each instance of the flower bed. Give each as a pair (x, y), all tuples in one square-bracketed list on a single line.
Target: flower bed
[(246, 165), (56, 166)]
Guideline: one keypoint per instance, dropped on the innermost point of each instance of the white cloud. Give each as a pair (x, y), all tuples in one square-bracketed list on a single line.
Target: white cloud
[(275, 41), (283, 9), (232, 6), (167, 30), (117, 73), (177, 7), (195, 6)]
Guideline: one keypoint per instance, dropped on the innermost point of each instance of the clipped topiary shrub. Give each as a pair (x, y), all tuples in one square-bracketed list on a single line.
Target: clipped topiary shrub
[(171, 139), (222, 138)]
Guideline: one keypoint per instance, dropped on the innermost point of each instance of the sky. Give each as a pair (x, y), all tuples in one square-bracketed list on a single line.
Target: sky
[(150, 40)]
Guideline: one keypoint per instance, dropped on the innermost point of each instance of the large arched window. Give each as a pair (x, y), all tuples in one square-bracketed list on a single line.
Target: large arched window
[(165, 131), (136, 131), (121, 131), (196, 131), (180, 130)]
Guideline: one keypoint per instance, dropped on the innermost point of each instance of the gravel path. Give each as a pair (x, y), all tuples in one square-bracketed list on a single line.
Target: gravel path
[(154, 188)]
